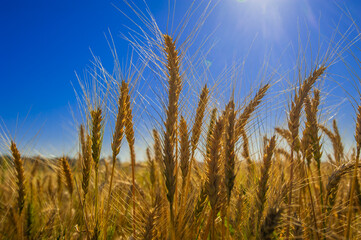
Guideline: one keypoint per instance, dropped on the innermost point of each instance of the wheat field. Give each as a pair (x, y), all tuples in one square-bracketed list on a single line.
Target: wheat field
[(200, 177)]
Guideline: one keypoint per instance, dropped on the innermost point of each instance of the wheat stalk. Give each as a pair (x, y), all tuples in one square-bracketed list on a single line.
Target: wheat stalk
[(196, 133), (293, 127), (96, 137), (129, 133), (170, 134), (115, 145), (315, 138), (348, 233), (213, 179)]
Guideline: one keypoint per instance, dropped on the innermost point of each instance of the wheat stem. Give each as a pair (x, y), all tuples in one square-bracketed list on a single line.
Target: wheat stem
[(348, 233)]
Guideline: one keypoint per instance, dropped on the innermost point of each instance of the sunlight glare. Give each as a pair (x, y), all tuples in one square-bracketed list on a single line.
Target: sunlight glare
[(264, 16)]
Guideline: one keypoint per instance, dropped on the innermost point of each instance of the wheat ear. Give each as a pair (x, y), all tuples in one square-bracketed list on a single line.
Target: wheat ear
[(68, 175), (293, 126), (229, 162), (20, 176), (200, 205), (249, 109), (87, 162), (129, 134), (184, 149), (151, 167), (157, 148), (246, 155), (151, 221), (196, 133), (311, 148), (285, 134), (170, 134), (335, 140), (339, 153), (59, 182), (198, 120), (213, 180), (315, 138), (306, 142), (82, 140), (263, 183), (115, 145), (20, 182), (334, 181), (316, 146), (96, 137)]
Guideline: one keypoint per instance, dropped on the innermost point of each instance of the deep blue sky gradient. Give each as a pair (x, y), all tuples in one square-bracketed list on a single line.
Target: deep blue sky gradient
[(43, 43)]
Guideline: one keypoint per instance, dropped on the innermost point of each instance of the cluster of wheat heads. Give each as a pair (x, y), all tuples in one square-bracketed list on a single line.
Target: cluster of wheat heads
[(199, 179), (289, 193)]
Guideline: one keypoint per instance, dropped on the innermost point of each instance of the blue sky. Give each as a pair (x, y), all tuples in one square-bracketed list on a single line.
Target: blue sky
[(43, 44)]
